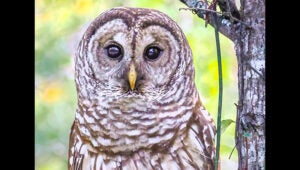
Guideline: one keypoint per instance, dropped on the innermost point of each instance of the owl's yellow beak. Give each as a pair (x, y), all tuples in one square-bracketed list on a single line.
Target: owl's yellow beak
[(132, 76)]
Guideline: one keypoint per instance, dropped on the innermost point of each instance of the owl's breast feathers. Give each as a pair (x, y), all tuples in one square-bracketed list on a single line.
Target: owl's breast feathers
[(147, 140)]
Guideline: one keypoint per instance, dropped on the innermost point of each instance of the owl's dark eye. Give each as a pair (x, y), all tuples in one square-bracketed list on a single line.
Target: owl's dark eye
[(114, 51), (152, 53)]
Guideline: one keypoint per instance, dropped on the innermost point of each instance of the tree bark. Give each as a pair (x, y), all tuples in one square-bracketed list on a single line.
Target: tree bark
[(249, 40)]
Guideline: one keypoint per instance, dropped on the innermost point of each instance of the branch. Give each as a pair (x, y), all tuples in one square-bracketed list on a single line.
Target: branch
[(229, 7), (226, 14), (227, 28)]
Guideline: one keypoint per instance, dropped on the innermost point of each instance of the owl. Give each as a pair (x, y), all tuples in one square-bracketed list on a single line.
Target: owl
[(138, 106)]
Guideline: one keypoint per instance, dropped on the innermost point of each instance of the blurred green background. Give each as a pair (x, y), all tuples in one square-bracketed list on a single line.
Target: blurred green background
[(58, 27)]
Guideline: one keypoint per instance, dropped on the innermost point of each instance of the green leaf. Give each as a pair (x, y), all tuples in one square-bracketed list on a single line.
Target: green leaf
[(225, 123)]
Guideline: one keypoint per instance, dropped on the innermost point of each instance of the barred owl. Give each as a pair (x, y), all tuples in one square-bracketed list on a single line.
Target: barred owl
[(138, 106)]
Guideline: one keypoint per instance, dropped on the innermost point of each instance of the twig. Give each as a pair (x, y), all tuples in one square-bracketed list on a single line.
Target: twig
[(220, 13), (232, 151), (207, 10)]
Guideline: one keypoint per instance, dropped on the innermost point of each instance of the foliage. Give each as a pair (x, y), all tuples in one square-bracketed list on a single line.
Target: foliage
[(225, 124), (58, 27)]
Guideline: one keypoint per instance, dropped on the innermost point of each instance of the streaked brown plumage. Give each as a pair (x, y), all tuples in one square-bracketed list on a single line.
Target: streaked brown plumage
[(138, 107)]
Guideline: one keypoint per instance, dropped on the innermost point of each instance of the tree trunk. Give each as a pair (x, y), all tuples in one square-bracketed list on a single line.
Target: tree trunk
[(250, 50), (249, 39)]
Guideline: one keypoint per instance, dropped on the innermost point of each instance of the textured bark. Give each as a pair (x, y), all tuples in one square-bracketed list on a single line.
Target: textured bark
[(250, 49), (249, 40)]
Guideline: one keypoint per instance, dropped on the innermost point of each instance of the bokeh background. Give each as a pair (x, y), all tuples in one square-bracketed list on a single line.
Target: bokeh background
[(58, 27)]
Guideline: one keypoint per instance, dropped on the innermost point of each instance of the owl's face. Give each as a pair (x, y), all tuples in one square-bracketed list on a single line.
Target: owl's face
[(131, 64), (135, 53), (131, 60)]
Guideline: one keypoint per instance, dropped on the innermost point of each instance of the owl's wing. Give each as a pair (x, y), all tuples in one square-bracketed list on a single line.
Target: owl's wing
[(204, 130), (208, 130), (75, 158)]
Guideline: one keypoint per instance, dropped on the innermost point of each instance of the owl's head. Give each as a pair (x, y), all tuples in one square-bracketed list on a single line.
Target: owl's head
[(132, 52)]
